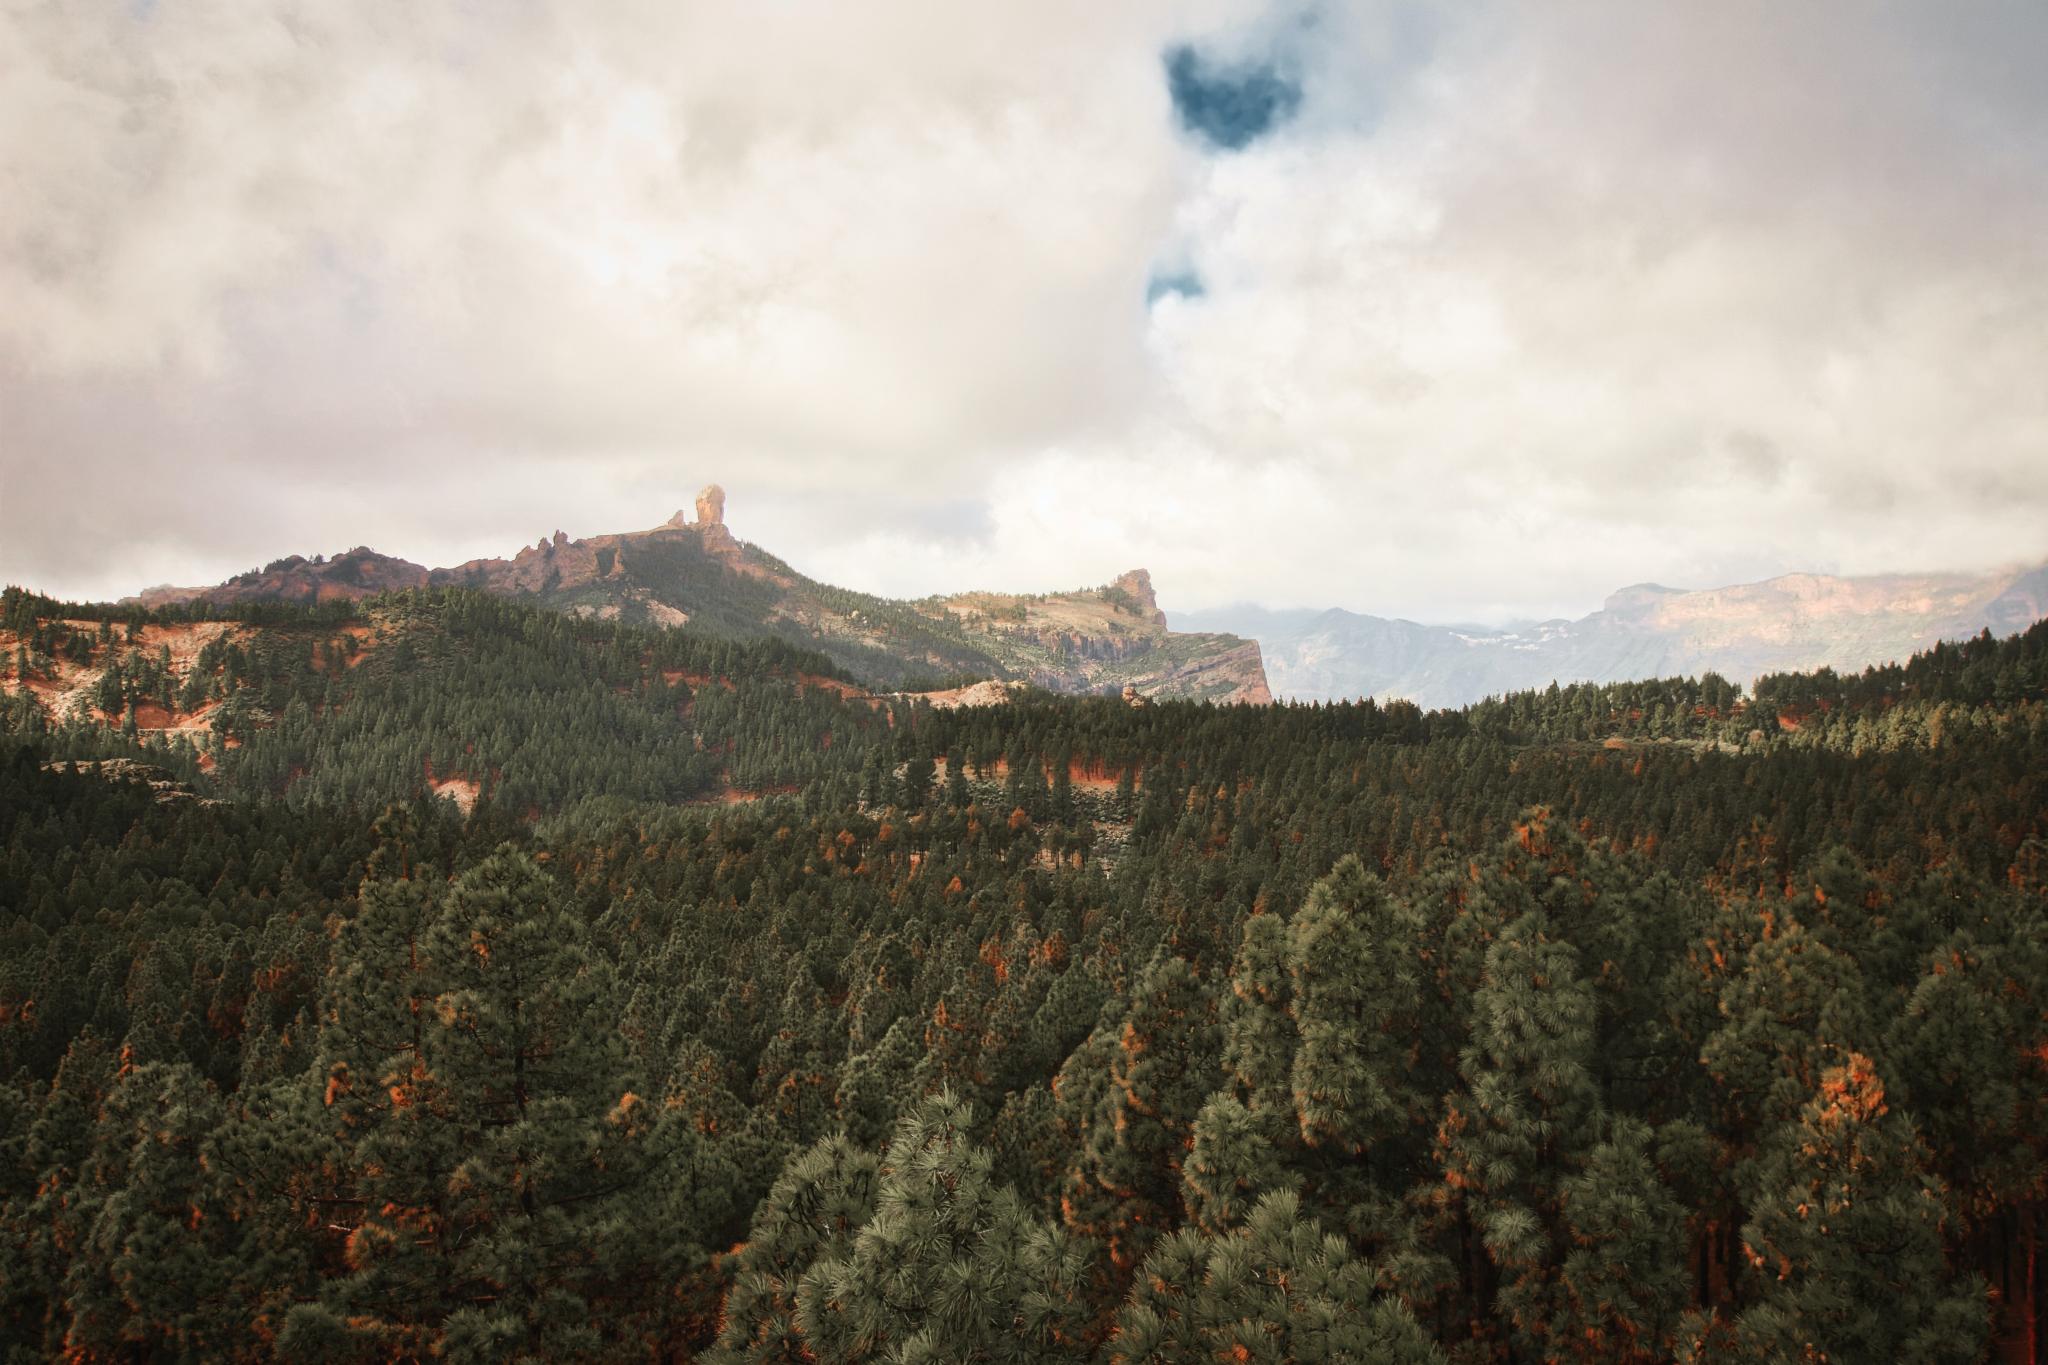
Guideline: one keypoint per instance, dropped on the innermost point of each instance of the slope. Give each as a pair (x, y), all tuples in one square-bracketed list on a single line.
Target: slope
[(695, 572)]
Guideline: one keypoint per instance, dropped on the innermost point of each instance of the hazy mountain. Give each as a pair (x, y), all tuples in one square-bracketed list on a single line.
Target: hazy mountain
[(694, 571), (1794, 622)]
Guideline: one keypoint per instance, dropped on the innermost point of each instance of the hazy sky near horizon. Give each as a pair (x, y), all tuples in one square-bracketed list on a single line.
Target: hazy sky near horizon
[(1456, 313)]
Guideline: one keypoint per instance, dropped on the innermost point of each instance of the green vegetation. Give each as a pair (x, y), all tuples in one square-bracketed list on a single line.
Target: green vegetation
[(907, 641), (534, 707), (1633, 1023)]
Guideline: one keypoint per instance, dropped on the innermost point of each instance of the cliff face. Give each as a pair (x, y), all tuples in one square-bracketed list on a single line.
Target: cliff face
[(1107, 638), (692, 569), (1794, 623)]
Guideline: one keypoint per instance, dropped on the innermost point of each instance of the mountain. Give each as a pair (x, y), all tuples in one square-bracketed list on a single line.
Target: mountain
[(1797, 622), (695, 572)]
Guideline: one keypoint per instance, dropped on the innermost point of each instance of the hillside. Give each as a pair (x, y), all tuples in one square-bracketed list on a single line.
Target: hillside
[(1025, 1006), (440, 692), (1795, 623), (694, 571)]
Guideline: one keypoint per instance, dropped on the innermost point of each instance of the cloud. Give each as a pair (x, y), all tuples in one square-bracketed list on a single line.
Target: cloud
[(1487, 312)]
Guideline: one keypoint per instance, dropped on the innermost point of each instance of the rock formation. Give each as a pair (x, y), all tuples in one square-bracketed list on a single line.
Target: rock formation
[(1137, 585), (710, 526), (1090, 641), (711, 506)]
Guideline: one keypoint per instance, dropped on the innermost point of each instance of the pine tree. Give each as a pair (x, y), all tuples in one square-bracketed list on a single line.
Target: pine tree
[(823, 1197), (497, 1146), (1124, 1188), (1622, 1285), (1973, 1042), (1357, 1001), (1797, 1009), (1523, 1122), (1245, 1135), (1259, 1038), (150, 1278), (872, 1084), (56, 1218), (1277, 1289), (950, 1267), (799, 1066), (278, 1168), (1846, 1238), (387, 1154), (1234, 1159)]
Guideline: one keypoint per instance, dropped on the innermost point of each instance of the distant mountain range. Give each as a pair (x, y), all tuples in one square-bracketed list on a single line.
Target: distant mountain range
[(694, 572), (1795, 622)]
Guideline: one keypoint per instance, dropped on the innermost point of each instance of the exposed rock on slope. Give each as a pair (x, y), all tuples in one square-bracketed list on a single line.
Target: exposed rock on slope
[(165, 786), (1794, 623), (697, 572), (1103, 640)]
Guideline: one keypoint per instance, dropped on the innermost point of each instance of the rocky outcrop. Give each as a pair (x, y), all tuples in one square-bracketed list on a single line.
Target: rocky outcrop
[(1108, 638), (988, 693), (694, 569), (709, 527), (166, 788), (1137, 585), (711, 506)]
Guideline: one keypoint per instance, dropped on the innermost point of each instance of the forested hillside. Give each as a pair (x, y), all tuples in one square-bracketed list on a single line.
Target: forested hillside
[(736, 1015), (445, 691)]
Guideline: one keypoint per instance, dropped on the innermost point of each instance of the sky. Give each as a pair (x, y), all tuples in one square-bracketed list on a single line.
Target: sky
[(1467, 313)]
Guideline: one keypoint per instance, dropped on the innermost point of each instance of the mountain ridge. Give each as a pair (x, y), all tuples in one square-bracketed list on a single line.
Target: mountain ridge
[(694, 570), (1789, 623)]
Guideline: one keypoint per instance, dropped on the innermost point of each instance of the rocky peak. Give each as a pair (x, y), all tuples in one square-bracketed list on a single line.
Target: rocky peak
[(710, 506), (1137, 585)]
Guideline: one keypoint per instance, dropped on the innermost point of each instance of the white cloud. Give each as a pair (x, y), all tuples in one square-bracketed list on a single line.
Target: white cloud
[(1522, 306)]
